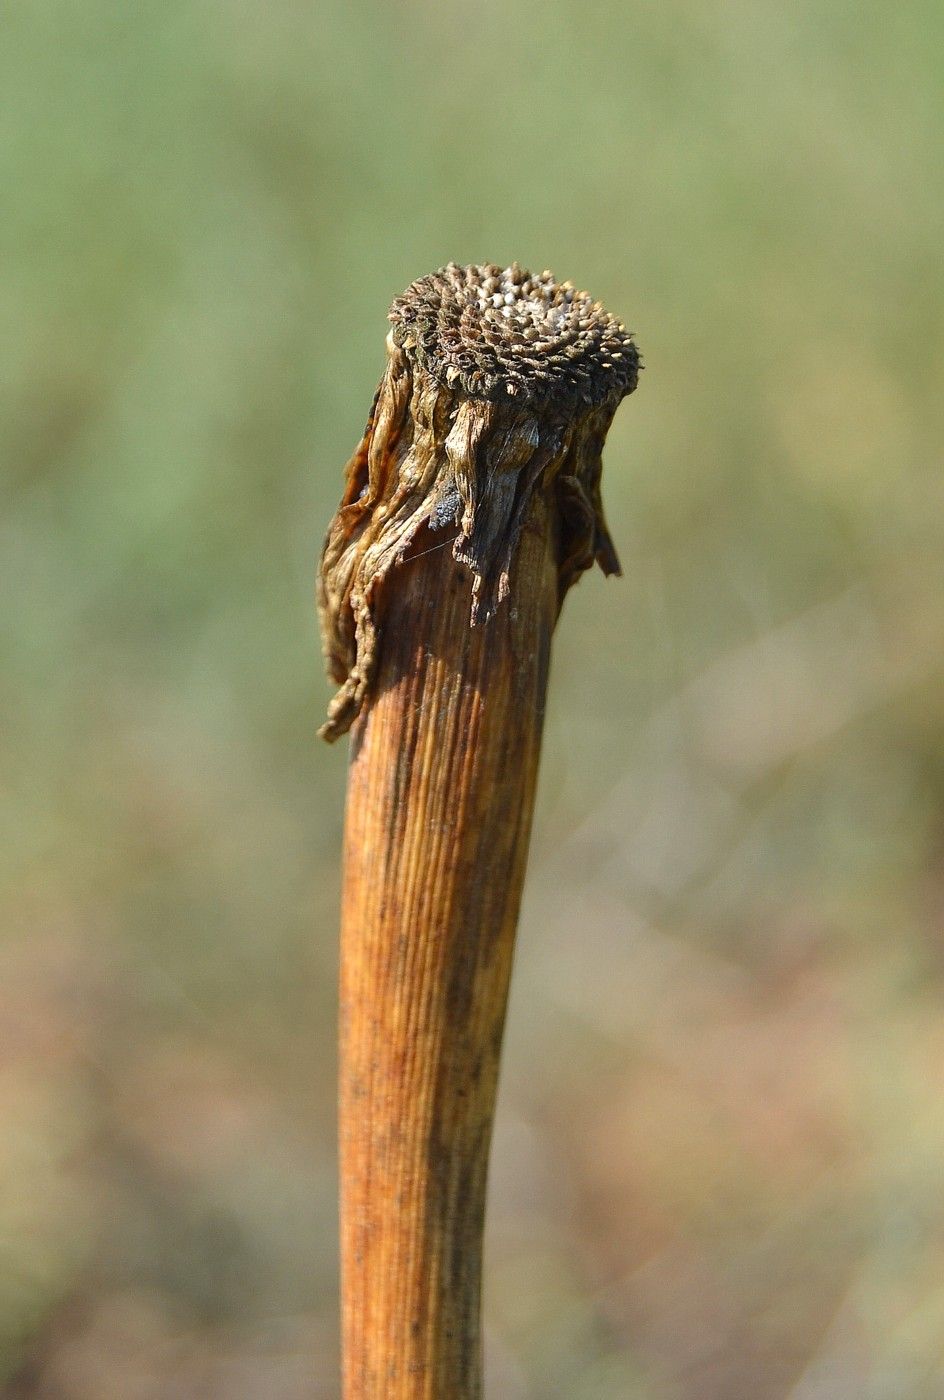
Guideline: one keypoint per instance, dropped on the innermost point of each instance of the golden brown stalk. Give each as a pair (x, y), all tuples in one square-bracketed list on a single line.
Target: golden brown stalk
[(471, 505)]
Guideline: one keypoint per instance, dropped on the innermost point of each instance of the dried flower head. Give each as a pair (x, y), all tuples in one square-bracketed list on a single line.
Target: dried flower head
[(501, 331), (498, 384)]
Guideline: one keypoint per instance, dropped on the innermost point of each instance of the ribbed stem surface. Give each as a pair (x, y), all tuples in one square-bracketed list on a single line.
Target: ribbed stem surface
[(443, 770)]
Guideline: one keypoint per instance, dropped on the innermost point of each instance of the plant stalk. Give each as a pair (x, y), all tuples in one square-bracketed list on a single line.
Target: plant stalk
[(471, 505), (440, 795)]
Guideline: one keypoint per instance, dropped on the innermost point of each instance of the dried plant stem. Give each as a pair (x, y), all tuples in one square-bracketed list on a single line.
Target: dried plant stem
[(471, 506), (439, 812)]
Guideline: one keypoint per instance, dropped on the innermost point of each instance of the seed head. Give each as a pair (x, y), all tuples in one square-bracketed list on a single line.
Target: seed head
[(504, 332)]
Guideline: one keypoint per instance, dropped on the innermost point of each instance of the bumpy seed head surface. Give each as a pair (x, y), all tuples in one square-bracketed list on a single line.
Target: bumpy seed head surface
[(502, 332)]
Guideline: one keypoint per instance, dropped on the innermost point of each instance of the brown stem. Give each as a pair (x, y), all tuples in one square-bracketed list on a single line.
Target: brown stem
[(439, 812), (476, 489)]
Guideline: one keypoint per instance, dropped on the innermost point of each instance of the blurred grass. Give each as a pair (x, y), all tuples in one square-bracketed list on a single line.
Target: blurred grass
[(718, 1163)]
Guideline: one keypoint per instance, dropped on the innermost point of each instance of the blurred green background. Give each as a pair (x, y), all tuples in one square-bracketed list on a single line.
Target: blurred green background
[(719, 1161)]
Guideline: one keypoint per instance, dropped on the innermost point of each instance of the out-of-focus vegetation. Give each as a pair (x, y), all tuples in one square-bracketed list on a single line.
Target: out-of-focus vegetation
[(719, 1161)]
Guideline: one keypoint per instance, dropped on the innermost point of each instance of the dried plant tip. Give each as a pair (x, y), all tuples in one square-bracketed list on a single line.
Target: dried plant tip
[(499, 383), (503, 331)]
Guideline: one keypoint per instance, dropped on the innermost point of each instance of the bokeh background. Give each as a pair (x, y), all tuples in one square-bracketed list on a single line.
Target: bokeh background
[(719, 1161)]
